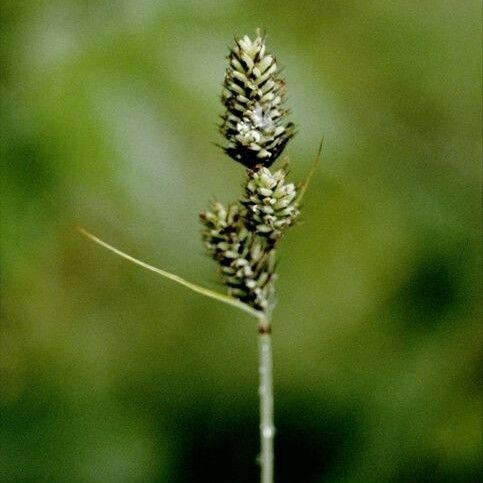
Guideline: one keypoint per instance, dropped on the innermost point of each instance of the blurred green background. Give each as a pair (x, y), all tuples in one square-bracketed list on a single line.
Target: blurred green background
[(112, 374)]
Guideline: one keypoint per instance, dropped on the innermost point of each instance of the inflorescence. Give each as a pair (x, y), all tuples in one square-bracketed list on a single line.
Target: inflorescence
[(242, 237)]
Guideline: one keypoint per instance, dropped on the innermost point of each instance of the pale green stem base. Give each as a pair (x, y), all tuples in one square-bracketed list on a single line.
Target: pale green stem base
[(267, 428)]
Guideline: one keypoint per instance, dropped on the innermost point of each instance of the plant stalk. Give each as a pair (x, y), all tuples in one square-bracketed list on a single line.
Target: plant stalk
[(267, 428)]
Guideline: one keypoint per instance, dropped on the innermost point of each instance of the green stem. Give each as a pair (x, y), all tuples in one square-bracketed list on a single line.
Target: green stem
[(267, 428)]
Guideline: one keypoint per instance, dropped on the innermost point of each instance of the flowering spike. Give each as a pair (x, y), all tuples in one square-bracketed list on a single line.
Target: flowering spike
[(253, 94), (243, 236)]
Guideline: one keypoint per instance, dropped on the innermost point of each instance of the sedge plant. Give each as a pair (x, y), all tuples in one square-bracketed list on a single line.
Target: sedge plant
[(242, 237)]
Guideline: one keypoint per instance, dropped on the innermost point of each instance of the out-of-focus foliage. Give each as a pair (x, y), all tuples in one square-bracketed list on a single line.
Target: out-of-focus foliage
[(110, 374)]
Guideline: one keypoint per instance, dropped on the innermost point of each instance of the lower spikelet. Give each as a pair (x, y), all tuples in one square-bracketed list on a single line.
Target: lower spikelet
[(270, 203), (246, 262)]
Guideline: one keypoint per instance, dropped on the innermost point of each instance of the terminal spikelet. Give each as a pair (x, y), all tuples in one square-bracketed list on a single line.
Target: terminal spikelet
[(254, 123)]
